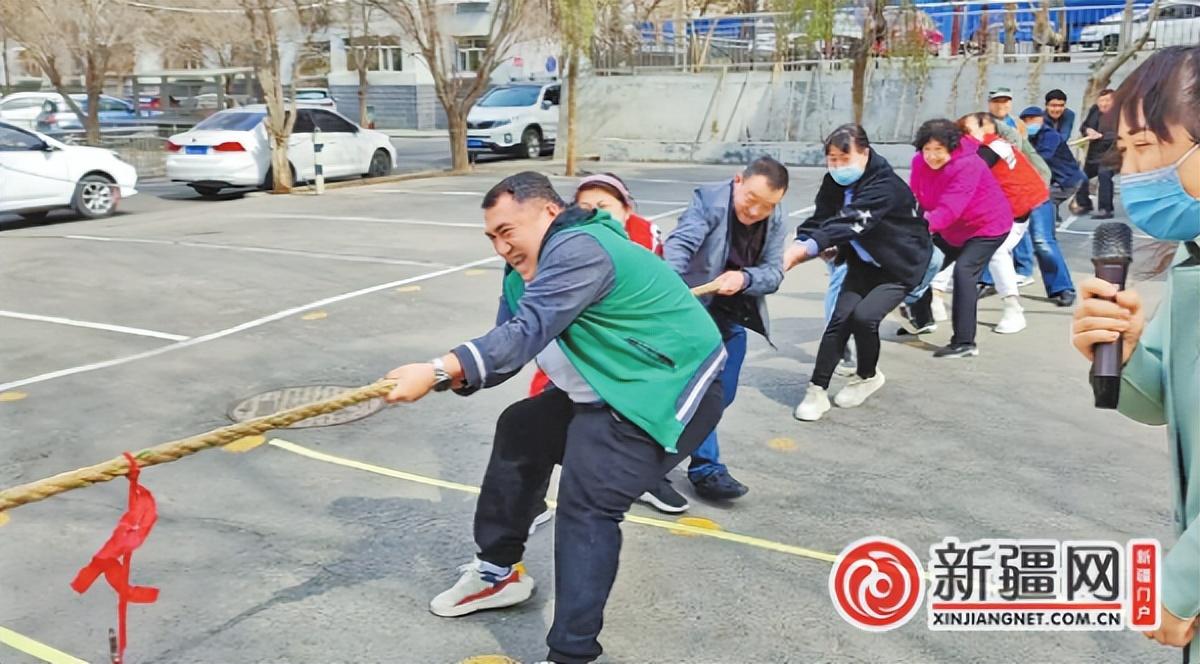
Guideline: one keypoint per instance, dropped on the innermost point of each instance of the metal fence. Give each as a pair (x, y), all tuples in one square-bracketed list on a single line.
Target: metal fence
[(924, 30)]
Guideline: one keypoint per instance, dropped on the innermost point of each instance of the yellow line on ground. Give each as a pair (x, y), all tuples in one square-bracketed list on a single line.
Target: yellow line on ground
[(746, 540), (36, 649)]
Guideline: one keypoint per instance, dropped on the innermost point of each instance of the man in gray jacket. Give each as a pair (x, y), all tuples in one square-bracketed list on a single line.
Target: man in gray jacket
[(733, 233)]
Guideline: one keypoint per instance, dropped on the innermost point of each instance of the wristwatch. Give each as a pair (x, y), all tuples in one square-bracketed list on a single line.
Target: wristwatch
[(441, 378)]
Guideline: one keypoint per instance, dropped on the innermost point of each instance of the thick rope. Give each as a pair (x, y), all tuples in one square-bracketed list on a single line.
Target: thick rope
[(166, 452)]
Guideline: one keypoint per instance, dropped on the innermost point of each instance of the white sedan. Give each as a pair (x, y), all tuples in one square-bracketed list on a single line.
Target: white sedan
[(39, 174), (1177, 24), (231, 149)]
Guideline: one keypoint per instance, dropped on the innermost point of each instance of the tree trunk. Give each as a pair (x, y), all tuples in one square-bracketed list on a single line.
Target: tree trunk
[(1102, 74), (4, 59), (457, 124), (572, 87), (361, 65), (281, 182), (93, 83), (858, 85)]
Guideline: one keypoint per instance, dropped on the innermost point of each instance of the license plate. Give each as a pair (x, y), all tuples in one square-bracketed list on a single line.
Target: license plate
[(197, 149), (474, 143)]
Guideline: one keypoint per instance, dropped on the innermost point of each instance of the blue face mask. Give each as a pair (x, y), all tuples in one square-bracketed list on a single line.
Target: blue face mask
[(846, 175), (1158, 204), (1032, 130)]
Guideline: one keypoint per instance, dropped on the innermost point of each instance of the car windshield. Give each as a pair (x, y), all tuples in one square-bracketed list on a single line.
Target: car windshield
[(311, 94), (522, 96), (237, 121)]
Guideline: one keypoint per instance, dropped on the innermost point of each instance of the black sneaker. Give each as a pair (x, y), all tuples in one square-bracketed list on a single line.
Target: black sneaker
[(719, 485), (1064, 299), (957, 350), (1102, 214), (910, 326), (665, 498), (984, 290)]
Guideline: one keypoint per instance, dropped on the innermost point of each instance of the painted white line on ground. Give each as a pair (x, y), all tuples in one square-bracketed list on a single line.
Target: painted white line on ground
[(666, 214), (242, 327), (370, 220), (427, 191), (806, 210), (94, 326), (1068, 221), (261, 250), (1071, 232)]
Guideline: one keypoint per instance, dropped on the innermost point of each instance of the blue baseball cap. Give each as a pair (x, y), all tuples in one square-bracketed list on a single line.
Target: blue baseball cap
[(1031, 111)]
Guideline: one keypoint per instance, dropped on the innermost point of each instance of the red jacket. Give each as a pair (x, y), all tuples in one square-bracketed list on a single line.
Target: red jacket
[(1022, 185), (643, 232)]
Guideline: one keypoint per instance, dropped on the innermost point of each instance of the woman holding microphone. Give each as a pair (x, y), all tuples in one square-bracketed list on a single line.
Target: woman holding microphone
[(1158, 136)]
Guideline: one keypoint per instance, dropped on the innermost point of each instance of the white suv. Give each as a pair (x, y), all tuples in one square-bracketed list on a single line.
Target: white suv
[(1178, 24), (519, 118)]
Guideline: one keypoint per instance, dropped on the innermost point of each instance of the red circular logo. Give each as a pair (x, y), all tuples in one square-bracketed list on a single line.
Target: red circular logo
[(876, 584)]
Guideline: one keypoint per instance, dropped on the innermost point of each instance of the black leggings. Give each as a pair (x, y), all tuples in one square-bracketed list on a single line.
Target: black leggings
[(969, 261), (867, 295)]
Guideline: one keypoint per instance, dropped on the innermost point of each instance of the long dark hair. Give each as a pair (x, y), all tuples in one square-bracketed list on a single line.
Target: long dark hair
[(1165, 89)]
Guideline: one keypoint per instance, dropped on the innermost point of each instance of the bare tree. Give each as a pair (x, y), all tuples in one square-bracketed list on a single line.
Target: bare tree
[(575, 23), (263, 17), (456, 89), (4, 59), (67, 36), (357, 15), (1103, 70), (874, 34)]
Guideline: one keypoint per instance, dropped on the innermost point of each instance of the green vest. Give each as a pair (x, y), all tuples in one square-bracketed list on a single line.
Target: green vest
[(643, 346)]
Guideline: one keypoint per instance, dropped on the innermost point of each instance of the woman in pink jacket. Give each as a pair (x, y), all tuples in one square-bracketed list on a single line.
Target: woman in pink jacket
[(968, 215)]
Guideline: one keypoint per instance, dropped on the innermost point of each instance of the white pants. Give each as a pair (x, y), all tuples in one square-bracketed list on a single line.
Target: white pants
[(1000, 265)]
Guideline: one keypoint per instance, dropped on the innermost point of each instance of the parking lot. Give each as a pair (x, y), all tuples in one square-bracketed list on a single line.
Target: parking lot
[(121, 333)]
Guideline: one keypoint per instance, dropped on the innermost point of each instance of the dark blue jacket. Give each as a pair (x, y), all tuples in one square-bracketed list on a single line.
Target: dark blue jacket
[(1064, 170), (1064, 125)]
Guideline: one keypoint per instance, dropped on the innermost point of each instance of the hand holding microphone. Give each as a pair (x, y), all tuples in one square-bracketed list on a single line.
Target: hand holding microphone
[(1109, 320)]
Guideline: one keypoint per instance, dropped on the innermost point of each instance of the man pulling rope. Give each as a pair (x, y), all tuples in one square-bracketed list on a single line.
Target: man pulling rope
[(633, 356)]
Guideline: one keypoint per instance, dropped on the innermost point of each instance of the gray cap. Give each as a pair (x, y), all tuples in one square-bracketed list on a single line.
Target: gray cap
[(999, 93)]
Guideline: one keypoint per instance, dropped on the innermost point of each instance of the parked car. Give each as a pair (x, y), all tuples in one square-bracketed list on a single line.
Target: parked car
[(319, 97), (518, 118), (1177, 24), (39, 174), (23, 108), (58, 118), (231, 148)]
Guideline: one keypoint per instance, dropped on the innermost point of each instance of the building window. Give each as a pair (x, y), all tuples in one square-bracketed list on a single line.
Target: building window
[(380, 55), (471, 8), (470, 53)]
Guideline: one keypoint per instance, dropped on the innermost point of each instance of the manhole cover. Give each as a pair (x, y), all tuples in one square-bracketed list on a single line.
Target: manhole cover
[(268, 403)]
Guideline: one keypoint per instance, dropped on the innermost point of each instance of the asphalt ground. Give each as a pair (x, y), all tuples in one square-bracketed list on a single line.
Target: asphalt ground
[(274, 556)]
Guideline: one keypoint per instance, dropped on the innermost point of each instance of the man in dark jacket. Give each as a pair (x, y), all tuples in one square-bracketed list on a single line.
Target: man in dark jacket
[(732, 233), (1101, 136), (1065, 174), (1058, 116)]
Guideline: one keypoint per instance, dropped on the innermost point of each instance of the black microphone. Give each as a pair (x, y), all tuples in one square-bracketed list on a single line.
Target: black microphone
[(1112, 251)]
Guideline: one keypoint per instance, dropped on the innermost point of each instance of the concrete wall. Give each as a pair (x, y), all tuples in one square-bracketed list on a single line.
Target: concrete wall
[(702, 117)]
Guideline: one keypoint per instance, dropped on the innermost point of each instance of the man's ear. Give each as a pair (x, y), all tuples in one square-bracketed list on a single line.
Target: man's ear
[(738, 178)]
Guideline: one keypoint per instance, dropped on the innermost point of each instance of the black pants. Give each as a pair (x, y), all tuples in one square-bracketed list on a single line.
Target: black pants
[(969, 261), (1083, 197), (607, 462), (867, 295)]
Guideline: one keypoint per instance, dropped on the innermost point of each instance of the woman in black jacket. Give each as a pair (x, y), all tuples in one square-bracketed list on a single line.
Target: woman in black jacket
[(867, 215)]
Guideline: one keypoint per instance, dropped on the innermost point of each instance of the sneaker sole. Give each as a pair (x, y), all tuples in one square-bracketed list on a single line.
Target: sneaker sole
[(650, 499), (796, 414), (845, 372), (864, 399), (1010, 331), (966, 353), (540, 519), (510, 596)]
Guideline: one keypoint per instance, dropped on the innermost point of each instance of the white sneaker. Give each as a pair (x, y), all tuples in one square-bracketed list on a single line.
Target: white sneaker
[(845, 368), (477, 590), (1013, 319), (1023, 281), (815, 404), (938, 306), (540, 519), (858, 389)]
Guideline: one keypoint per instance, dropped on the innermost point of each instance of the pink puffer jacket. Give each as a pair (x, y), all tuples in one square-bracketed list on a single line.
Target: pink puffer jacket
[(962, 199)]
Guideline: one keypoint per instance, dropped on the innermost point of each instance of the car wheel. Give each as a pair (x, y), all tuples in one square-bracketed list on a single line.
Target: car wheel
[(268, 182), (35, 216), (531, 143), (95, 196), (381, 164), (1111, 43), (205, 190)]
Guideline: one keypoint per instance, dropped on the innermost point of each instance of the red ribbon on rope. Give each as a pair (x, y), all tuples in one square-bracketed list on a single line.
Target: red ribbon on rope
[(113, 559)]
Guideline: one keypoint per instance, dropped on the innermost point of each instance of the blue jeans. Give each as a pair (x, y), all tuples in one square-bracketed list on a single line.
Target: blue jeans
[(936, 259), (1055, 274), (1022, 260), (837, 274), (706, 460)]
